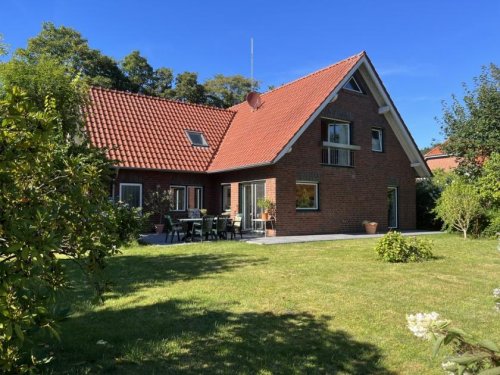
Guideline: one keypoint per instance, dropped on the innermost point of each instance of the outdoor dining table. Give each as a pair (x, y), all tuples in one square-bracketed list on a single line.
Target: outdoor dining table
[(190, 222)]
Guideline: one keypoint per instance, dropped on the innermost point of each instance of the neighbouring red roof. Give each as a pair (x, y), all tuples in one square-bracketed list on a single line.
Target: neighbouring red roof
[(149, 133), (436, 151), (257, 136)]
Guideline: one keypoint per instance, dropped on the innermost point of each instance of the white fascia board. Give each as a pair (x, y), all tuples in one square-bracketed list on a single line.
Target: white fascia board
[(320, 109), (394, 119)]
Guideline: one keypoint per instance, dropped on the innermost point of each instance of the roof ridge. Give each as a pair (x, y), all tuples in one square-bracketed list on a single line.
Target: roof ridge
[(161, 99)]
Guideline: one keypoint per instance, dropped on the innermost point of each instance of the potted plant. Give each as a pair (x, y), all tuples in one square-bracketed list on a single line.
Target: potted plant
[(159, 203), (266, 205), (370, 226)]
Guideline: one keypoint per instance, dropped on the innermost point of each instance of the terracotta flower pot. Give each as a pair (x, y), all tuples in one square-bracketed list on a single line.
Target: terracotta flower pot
[(371, 228), (159, 228), (264, 216)]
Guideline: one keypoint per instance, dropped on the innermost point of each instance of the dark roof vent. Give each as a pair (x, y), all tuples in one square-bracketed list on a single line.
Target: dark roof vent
[(254, 100)]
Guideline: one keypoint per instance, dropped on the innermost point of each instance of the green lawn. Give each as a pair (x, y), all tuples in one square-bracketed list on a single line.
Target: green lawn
[(324, 307)]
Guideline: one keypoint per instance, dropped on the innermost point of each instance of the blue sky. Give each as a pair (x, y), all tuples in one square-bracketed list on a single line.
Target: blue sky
[(423, 50)]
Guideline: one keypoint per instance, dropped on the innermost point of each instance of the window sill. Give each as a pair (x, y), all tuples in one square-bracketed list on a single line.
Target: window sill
[(343, 146), (307, 209)]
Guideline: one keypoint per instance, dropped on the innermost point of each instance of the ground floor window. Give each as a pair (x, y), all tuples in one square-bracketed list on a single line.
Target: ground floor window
[(306, 196), (131, 194), (392, 207), (226, 197), (179, 199), (195, 197)]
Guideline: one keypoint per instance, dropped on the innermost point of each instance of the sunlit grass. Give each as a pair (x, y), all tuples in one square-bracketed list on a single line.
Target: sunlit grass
[(228, 307)]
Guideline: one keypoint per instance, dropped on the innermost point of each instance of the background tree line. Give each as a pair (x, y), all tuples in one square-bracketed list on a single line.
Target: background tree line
[(133, 73)]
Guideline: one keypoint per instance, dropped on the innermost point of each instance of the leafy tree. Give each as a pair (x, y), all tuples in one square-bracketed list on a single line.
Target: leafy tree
[(472, 126), (458, 205), (163, 83), (188, 89), (226, 91), (3, 46), (54, 202), (139, 72), (69, 48)]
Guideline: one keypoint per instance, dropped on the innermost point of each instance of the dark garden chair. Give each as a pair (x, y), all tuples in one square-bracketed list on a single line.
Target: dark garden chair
[(220, 230), (174, 228), (206, 229)]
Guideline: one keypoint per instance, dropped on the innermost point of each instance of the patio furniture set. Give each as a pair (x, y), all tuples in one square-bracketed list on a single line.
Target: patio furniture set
[(206, 227)]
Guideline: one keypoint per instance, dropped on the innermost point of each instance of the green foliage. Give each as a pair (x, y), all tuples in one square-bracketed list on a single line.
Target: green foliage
[(428, 193), (162, 86), (396, 248), (139, 72), (226, 91), (159, 202), (458, 206), (470, 355), (489, 181), (472, 126), (188, 89), (266, 204), (71, 50)]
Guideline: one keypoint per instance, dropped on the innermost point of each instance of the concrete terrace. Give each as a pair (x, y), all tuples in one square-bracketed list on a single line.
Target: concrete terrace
[(252, 238)]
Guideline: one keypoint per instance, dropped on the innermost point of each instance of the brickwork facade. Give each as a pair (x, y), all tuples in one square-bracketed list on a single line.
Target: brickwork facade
[(347, 195)]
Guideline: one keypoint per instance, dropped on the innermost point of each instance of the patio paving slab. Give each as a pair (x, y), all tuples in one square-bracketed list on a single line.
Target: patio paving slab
[(258, 239), (329, 237)]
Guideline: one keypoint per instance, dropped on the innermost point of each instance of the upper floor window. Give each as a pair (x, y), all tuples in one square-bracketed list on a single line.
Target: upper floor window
[(377, 144), (339, 133), (353, 85), (196, 138)]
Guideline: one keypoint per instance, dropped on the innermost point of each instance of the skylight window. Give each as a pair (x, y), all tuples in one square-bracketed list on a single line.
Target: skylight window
[(196, 138), (353, 85)]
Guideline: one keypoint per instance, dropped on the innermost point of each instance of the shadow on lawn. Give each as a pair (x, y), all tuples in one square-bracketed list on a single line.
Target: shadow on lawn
[(184, 337), (128, 274)]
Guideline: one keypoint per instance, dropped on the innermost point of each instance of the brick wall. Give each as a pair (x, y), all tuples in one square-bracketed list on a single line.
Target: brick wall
[(347, 196)]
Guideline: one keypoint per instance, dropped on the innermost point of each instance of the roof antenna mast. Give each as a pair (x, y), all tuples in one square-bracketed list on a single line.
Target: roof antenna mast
[(251, 63)]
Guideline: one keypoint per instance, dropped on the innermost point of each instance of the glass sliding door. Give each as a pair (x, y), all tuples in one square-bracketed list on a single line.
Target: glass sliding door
[(250, 193), (392, 207)]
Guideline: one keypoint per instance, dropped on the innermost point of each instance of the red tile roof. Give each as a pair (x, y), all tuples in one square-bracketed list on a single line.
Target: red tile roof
[(257, 136), (436, 151), (149, 133)]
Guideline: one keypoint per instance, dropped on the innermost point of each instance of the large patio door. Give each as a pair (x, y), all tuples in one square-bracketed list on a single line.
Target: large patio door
[(250, 193), (392, 203)]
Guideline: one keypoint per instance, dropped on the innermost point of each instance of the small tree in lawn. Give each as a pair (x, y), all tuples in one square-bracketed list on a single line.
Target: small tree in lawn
[(159, 203), (458, 206)]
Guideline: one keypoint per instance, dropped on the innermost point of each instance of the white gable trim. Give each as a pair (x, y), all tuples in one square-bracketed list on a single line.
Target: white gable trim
[(333, 96), (382, 98)]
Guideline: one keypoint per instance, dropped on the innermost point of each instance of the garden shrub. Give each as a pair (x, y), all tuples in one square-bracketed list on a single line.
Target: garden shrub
[(395, 248)]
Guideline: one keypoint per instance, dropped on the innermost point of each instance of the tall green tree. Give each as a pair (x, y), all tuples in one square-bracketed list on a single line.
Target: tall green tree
[(69, 48), (163, 79), (226, 91), (188, 89), (54, 202), (139, 72), (472, 125)]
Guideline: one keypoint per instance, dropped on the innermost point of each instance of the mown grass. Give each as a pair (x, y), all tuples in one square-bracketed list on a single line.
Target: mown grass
[(235, 308)]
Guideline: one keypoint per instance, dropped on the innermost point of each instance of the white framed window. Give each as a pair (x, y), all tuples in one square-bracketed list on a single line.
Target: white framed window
[(196, 138), (226, 197), (131, 194), (179, 203), (377, 140), (194, 197), (306, 195), (353, 85), (339, 132)]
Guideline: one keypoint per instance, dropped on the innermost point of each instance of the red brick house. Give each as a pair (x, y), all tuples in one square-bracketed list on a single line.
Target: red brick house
[(330, 149), (436, 158)]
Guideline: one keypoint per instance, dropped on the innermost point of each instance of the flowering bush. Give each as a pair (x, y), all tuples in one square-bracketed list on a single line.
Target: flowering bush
[(471, 355), (395, 248)]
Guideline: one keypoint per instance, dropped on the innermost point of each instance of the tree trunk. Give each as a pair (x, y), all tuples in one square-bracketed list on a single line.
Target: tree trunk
[(465, 233)]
